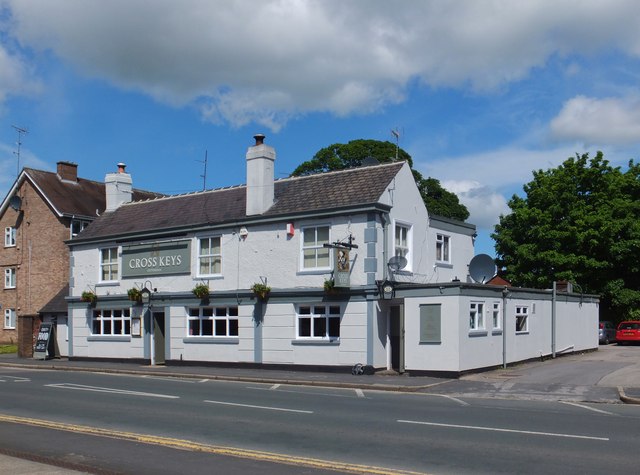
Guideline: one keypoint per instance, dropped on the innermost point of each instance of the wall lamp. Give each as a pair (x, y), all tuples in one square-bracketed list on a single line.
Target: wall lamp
[(386, 289)]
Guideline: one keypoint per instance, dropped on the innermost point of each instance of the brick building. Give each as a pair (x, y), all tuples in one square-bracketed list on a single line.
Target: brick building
[(41, 211)]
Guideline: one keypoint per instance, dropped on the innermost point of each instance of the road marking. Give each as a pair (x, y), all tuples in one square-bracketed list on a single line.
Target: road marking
[(170, 378), (359, 392), (451, 398), (183, 444), (82, 387), (270, 408), (280, 390), (203, 380), (13, 379), (589, 408), (274, 387), (496, 429)]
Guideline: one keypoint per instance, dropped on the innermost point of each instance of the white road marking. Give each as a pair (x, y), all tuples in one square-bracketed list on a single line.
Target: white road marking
[(274, 387), (203, 380), (258, 407), (589, 408), (496, 429), (13, 379), (81, 387), (170, 378), (359, 392), (280, 390), (455, 399)]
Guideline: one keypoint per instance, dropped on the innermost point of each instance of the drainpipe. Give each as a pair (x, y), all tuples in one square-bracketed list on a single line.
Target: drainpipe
[(384, 219), (553, 319), (505, 292)]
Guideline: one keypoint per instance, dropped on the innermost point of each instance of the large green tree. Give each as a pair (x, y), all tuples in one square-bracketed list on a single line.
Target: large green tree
[(340, 156), (578, 222)]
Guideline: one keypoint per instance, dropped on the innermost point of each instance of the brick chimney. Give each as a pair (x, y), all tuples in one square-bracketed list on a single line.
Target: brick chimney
[(68, 171), (260, 176), (118, 188)]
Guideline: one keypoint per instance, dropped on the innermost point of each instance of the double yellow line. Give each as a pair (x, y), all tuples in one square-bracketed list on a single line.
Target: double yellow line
[(206, 448)]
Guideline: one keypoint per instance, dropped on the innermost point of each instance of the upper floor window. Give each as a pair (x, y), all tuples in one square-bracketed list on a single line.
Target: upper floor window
[(314, 254), (10, 278), (476, 316), (111, 322), (213, 321), (77, 225), (9, 236), (402, 242), (319, 322), (109, 264), (443, 248), (9, 318), (209, 256), (522, 319)]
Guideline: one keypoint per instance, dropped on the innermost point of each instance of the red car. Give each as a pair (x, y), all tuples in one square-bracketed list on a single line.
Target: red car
[(628, 331)]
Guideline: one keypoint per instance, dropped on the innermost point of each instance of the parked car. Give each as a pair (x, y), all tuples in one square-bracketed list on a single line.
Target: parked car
[(628, 332), (607, 332)]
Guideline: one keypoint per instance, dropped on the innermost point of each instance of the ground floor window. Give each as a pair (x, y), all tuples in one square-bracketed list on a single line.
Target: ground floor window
[(476, 316), (496, 320), (112, 322), (319, 321), (522, 319), (213, 321), (9, 318)]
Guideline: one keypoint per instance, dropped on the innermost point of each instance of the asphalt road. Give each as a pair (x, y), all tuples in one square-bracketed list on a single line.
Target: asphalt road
[(134, 424)]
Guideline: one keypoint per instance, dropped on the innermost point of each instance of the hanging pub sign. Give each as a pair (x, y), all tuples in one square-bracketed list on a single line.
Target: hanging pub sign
[(341, 268), (165, 258)]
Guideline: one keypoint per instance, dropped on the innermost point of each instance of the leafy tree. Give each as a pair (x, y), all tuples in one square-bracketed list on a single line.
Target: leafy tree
[(578, 222), (340, 156)]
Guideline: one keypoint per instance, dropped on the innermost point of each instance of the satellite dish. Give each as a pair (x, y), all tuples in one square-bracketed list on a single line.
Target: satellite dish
[(397, 263), (15, 202), (482, 268)]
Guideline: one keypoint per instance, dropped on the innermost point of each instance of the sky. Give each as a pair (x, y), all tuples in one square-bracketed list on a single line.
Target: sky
[(481, 93)]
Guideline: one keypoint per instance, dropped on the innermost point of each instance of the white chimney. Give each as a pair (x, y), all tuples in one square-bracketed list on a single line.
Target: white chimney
[(260, 175), (118, 188)]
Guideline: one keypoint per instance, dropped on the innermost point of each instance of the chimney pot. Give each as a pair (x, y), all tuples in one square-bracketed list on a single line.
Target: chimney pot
[(121, 167), (259, 138)]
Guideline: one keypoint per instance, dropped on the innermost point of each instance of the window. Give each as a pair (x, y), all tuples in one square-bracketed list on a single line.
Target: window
[(209, 256), (496, 320), (109, 264), (111, 322), (9, 237), (314, 255), (476, 316), (402, 243), (213, 321), (522, 319), (430, 323), (443, 252), (9, 318), (319, 322), (10, 278), (77, 226)]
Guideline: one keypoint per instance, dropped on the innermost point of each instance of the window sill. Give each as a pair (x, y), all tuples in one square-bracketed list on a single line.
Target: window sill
[(474, 333), (314, 271), (444, 264), (108, 283), (497, 331), (316, 342), (108, 338), (222, 340), (525, 332)]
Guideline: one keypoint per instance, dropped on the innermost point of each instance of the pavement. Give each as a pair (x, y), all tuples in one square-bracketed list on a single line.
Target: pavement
[(609, 375)]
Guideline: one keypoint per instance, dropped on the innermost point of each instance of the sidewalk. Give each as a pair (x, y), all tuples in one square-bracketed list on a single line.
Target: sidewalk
[(19, 466), (609, 375)]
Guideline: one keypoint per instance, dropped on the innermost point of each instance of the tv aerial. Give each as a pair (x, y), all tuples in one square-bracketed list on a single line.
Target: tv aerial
[(482, 268)]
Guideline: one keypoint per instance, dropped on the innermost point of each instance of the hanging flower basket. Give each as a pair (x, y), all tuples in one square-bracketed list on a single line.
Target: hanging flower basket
[(261, 290), (201, 291), (135, 294), (329, 285), (89, 297)]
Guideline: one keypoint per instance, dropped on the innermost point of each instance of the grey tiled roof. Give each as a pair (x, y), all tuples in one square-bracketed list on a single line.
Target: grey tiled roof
[(57, 304), (326, 191), (80, 199)]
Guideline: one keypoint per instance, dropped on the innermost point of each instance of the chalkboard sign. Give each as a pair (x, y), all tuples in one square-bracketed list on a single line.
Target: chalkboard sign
[(46, 345)]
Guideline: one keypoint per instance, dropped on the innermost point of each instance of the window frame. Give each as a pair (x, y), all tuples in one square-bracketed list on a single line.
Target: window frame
[(9, 318), (496, 316), (408, 244), (476, 316), (211, 256), (326, 319), (10, 236), (83, 224), (230, 318), (316, 247), (10, 278), (443, 246), (111, 263), (522, 313), (124, 318)]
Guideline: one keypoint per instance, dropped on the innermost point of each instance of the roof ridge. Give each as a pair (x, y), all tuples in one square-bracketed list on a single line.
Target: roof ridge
[(344, 170)]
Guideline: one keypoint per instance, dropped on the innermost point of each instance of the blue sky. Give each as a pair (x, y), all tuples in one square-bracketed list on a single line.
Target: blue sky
[(482, 92)]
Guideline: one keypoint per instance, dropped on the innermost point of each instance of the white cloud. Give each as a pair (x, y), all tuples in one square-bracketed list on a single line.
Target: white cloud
[(15, 77), (270, 61), (484, 203), (609, 120)]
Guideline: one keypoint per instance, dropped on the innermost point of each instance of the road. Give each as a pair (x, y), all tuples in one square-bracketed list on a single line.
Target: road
[(134, 424)]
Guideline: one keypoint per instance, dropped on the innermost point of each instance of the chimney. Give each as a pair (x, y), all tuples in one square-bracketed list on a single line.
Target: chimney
[(260, 160), (118, 188), (68, 171)]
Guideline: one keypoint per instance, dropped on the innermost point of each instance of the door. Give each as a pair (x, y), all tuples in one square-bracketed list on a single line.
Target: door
[(396, 337), (158, 338)]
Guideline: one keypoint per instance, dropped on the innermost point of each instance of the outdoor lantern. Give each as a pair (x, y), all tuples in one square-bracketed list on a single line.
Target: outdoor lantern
[(386, 289), (146, 296)]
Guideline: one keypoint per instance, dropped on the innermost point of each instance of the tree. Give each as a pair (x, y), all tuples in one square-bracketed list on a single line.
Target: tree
[(340, 156), (578, 222)]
